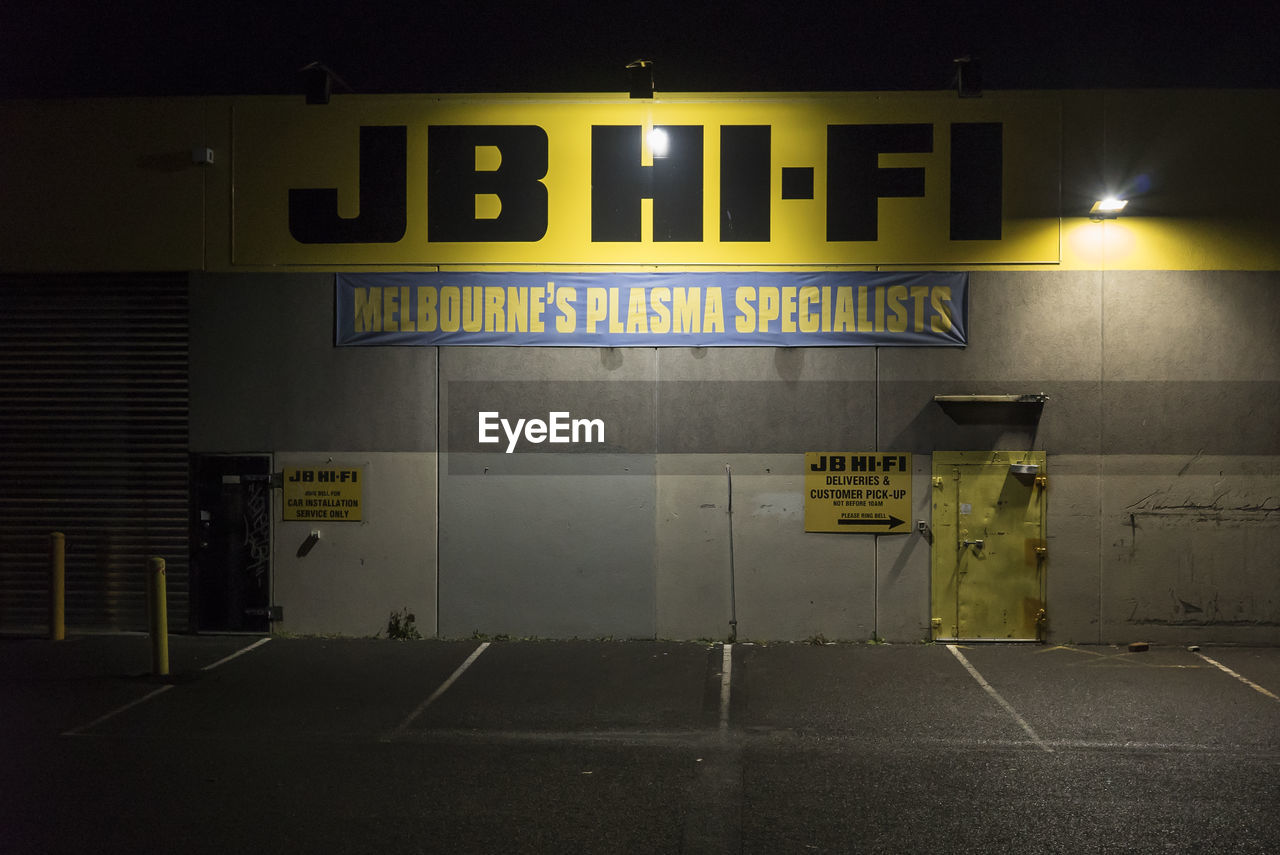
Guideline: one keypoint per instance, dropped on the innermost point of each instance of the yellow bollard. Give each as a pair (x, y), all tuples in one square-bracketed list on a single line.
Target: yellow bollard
[(57, 586), (158, 617)]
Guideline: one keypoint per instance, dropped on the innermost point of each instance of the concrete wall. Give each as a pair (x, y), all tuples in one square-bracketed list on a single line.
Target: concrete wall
[(1029, 332), (351, 580), (1190, 499), (549, 543), (265, 377), (756, 411), (1161, 431)]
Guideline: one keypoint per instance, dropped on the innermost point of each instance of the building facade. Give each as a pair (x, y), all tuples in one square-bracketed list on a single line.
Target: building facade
[(838, 366)]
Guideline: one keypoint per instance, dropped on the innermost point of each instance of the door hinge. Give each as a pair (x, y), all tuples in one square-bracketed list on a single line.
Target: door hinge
[(936, 623), (1042, 481)]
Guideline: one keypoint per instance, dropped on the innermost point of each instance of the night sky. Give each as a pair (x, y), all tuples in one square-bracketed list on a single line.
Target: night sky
[(59, 49)]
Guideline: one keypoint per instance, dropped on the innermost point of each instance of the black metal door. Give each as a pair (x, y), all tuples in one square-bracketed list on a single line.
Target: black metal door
[(231, 543)]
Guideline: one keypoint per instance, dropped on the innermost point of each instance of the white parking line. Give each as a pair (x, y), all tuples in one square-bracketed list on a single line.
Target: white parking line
[(444, 687), (1035, 737), (726, 672), (224, 660), (1245, 680), (85, 728), (155, 693)]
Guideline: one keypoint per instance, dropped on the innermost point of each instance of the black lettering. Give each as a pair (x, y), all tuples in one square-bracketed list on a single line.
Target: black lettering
[(977, 172), (855, 181), (744, 182), (313, 211), (821, 465), (797, 182), (619, 182), (453, 183)]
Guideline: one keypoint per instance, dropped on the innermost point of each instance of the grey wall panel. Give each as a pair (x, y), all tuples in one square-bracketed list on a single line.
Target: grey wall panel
[(763, 417), (1029, 332), (541, 553), (765, 400), (1025, 327), (549, 363), (1190, 549), (692, 532), (784, 583), (1191, 428), (1192, 364), (624, 409), (1073, 535), (666, 416), (740, 407), (1191, 325), (359, 572), (265, 374), (792, 584), (781, 364), (546, 544), (1219, 417), (903, 567)]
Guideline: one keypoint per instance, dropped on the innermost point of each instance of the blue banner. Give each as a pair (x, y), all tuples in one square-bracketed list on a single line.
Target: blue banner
[(652, 309)]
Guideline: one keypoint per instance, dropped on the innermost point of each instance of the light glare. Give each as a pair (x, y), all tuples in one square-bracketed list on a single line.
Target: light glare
[(1110, 205), (659, 143)]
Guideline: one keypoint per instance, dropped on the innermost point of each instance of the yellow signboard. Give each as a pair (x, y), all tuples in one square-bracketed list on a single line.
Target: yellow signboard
[(323, 493), (859, 492), (731, 179)]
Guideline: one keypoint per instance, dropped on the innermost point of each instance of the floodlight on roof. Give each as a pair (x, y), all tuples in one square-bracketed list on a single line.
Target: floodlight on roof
[(1108, 208)]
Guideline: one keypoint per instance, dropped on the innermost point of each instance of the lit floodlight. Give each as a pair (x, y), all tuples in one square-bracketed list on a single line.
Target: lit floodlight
[(1107, 208), (659, 142)]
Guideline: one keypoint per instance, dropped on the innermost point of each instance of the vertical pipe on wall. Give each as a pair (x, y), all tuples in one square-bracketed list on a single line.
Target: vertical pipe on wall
[(439, 440), (1102, 385), (875, 538), (733, 591)]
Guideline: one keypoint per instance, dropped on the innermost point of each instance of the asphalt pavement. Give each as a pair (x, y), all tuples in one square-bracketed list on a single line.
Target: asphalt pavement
[(376, 746)]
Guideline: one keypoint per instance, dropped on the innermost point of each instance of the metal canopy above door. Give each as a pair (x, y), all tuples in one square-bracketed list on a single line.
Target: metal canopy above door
[(989, 553)]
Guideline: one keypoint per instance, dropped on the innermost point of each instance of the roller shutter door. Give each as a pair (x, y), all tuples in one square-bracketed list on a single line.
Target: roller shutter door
[(93, 443)]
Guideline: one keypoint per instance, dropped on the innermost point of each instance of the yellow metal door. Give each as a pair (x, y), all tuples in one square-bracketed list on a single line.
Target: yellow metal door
[(989, 556)]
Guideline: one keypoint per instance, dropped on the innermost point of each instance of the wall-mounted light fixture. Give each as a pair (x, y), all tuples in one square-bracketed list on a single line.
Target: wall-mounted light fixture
[(1107, 209), (318, 80), (640, 78), (968, 79)]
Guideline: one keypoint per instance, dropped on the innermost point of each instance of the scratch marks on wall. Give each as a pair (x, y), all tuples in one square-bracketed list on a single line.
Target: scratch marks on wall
[(1170, 507), (1199, 552)]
